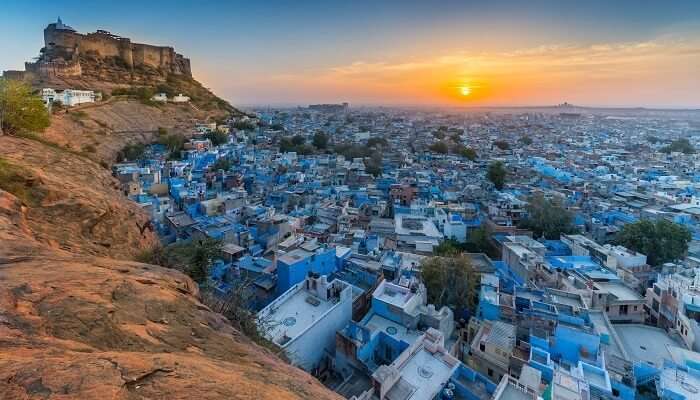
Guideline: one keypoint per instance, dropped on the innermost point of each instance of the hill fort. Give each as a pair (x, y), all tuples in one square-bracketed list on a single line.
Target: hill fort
[(66, 53)]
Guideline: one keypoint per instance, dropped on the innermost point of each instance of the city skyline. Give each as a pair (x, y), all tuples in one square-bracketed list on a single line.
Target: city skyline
[(409, 53)]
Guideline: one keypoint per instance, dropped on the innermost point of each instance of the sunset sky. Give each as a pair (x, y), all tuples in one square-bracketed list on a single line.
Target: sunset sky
[(631, 53)]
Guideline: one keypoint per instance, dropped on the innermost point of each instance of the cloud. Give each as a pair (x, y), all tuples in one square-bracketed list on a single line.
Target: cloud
[(598, 73)]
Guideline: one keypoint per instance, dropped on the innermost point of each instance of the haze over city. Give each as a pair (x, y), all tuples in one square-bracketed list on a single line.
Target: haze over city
[(455, 53)]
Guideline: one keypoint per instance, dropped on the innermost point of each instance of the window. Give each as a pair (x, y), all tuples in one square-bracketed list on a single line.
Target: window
[(635, 308), (490, 372), (623, 309), (482, 347), (607, 309)]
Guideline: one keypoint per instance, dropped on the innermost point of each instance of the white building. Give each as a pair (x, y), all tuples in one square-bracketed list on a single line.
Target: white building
[(416, 232), (303, 321), (68, 97), (160, 97), (180, 98), (419, 373)]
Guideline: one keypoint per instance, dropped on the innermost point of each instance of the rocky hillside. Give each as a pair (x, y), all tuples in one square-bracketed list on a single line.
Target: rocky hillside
[(101, 130), (78, 321), (76, 326)]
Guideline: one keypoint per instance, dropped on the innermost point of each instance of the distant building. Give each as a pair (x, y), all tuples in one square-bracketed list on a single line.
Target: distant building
[(68, 97), (160, 97), (329, 107), (180, 98)]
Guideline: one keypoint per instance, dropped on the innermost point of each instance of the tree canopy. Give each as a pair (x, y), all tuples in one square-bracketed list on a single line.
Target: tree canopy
[(217, 138), (679, 146), (661, 241), (20, 110), (502, 144), (451, 281), (467, 152), (440, 147), (496, 173), (320, 140), (525, 140), (548, 218)]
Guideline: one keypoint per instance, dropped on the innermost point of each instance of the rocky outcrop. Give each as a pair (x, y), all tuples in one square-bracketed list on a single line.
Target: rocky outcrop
[(77, 325), (88, 327)]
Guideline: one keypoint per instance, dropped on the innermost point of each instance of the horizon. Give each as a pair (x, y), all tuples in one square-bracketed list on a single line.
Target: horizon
[(406, 54)]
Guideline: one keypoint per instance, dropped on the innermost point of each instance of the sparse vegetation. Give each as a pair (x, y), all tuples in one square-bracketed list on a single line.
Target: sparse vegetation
[(131, 152), (21, 183), (193, 257), (20, 110)]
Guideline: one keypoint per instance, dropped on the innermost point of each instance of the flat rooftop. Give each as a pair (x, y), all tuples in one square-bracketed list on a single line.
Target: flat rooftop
[(422, 377), (619, 290), (294, 314), (645, 343), (511, 392), (393, 294), (378, 323), (294, 256)]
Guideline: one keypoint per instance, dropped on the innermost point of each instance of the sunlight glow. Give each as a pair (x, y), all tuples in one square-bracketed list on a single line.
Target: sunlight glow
[(465, 90)]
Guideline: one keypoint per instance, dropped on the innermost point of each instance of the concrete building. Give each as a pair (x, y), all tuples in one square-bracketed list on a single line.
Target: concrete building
[(68, 97), (303, 321)]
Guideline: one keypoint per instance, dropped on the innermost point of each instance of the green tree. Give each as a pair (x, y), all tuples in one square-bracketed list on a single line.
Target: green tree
[(478, 241), (217, 138), (193, 257), (373, 164), (525, 140), (320, 140), (377, 141), (679, 146), (20, 110), (451, 281), (440, 147), (548, 218), (174, 142), (448, 247), (468, 153), (502, 144), (298, 140), (496, 173), (221, 163), (131, 152), (661, 241)]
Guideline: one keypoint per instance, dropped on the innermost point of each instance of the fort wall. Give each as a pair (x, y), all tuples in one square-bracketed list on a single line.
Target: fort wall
[(68, 45)]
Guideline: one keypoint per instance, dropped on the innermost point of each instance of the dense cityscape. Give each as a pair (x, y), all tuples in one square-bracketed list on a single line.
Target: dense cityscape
[(470, 254), (326, 200)]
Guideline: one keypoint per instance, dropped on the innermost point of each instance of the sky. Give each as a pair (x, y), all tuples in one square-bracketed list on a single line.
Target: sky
[(455, 53)]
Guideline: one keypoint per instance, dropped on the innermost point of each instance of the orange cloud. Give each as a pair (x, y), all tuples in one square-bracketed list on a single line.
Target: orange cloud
[(538, 75)]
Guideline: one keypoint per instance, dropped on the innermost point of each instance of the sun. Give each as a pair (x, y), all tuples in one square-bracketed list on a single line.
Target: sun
[(465, 90)]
